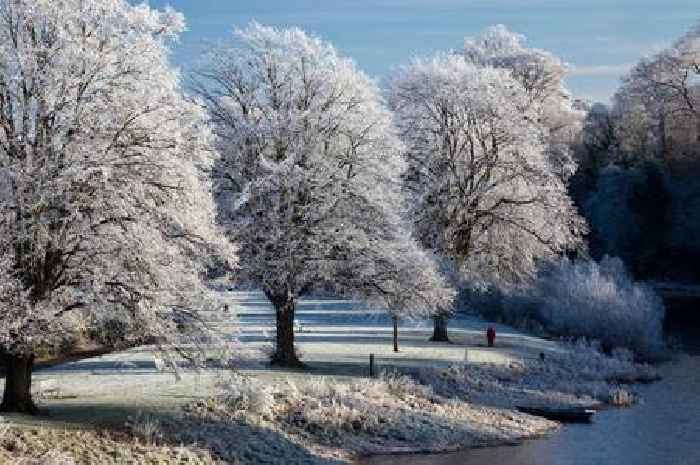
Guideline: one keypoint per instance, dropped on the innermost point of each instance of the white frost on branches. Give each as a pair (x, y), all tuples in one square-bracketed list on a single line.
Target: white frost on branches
[(597, 301), (105, 203), (310, 181), (541, 74), (483, 186)]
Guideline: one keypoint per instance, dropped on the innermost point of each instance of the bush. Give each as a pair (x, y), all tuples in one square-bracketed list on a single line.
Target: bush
[(403, 386), (595, 301), (243, 394), (145, 427)]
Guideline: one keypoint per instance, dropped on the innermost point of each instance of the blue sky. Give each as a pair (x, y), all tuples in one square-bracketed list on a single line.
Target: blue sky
[(600, 38)]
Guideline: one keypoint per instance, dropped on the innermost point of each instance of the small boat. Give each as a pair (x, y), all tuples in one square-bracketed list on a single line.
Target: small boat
[(563, 414)]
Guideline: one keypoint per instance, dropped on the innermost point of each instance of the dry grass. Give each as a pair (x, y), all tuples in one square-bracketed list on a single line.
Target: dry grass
[(580, 374), (336, 420), (45, 446)]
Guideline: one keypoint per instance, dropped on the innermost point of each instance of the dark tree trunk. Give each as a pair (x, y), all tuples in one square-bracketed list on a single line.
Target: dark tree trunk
[(396, 334), (285, 355), (440, 329), (17, 397)]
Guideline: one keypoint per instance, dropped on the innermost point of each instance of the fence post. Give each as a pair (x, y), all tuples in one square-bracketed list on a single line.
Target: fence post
[(396, 333)]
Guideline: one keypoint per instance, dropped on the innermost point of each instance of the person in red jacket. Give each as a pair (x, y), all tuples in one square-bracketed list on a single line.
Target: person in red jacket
[(491, 336)]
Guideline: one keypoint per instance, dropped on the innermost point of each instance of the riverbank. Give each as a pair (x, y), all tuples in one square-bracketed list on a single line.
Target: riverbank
[(661, 430), (431, 397)]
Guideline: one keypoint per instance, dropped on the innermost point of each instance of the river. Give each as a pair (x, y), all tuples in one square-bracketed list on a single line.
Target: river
[(663, 430)]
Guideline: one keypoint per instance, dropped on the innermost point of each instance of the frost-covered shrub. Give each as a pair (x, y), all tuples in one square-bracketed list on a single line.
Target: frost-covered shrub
[(403, 386), (244, 394), (576, 374), (145, 427), (596, 301), (328, 409), (588, 362), (53, 457)]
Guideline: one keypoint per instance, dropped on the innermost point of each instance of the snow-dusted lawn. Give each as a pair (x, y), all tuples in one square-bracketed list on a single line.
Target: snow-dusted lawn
[(335, 338), (339, 335)]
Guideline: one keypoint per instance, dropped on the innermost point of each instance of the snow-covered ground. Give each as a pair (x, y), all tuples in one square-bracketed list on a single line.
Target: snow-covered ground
[(335, 338)]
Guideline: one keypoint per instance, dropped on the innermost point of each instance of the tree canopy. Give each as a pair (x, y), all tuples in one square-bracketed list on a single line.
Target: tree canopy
[(104, 193), (309, 184), (484, 189)]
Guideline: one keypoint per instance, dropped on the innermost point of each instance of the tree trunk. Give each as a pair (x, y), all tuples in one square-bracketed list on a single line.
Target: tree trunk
[(396, 334), (440, 329), (17, 397), (285, 355)]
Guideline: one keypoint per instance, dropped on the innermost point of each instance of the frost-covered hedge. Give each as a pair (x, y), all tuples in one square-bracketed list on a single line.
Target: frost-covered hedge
[(595, 301), (577, 374)]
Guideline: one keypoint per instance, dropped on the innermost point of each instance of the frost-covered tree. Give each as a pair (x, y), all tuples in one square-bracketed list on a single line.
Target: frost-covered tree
[(541, 74), (483, 189), (670, 78), (309, 184), (646, 154), (659, 98), (639, 120), (105, 205), (598, 145)]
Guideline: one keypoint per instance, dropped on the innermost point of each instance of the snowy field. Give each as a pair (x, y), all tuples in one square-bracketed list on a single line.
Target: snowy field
[(337, 336), (335, 339), (331, 411)]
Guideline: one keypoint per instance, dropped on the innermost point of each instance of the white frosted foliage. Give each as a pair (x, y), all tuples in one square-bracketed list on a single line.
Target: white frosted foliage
[(309, 185), (105, 202), (483, 185)]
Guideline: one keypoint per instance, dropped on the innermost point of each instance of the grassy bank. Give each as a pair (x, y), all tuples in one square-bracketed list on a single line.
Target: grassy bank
[(430, 397)]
